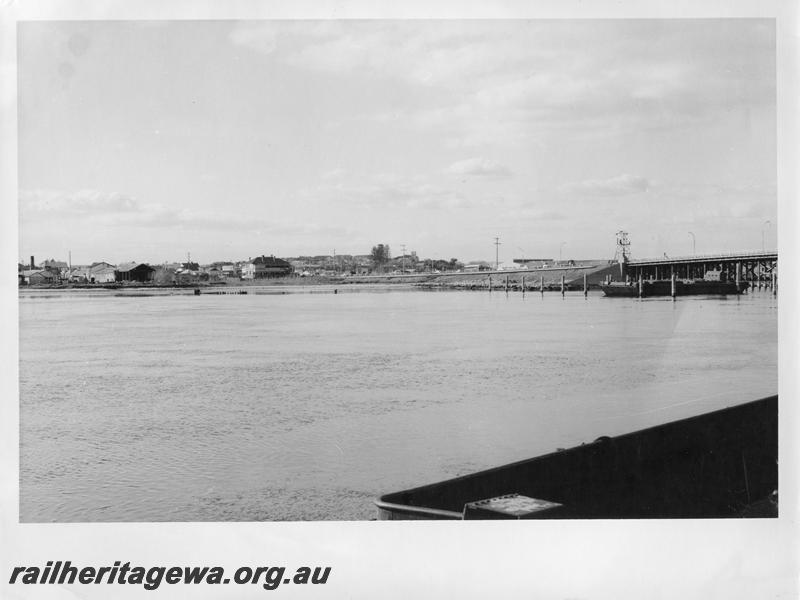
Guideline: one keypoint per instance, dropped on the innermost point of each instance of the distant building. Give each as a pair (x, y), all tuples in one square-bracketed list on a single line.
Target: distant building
[(230, 271), (361, 265), (266, 266), (100, 265), (533, 263), (213, 273), (38, 277), (101, 272), (58, 268), (477, 266), (140, 272), (55, 265)]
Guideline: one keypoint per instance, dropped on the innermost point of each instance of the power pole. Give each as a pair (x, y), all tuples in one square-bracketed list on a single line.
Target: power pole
[(403, 248), (497, 253)]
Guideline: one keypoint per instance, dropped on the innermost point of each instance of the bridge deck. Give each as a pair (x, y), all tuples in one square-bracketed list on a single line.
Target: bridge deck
[(704, 258)]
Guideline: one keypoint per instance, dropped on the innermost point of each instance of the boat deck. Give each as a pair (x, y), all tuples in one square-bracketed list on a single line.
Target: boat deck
[(719, 464)]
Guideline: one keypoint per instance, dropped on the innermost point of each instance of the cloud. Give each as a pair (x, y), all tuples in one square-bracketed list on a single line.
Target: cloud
[(406, 195), (116, 209), (81, 204), (107, 209), (685, 203), (382, 191), (258, 36), (621, 185), (78, 44), (334, 174), (422, 53), (511, 81), (479, 167)]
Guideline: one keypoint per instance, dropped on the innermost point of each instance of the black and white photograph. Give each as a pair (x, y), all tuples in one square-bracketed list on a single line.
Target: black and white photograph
[(345, 276)]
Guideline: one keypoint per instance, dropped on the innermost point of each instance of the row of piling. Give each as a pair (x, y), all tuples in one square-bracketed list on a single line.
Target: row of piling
[(507, 285), (220, 292)]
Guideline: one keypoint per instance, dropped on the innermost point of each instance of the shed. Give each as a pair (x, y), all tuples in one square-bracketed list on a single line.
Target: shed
[(140, 272), (39, 277)]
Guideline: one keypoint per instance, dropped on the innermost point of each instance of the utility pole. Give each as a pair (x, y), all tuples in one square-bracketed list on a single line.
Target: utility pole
[(403, 248), (496, 253)]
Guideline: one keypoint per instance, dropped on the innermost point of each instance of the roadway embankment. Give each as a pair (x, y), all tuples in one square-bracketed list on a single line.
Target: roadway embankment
[(548, 278)]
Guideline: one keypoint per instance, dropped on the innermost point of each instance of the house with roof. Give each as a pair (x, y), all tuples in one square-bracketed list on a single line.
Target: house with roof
[(38, 277), (58, 268), (230, 270), (263, 267), (55, 265)]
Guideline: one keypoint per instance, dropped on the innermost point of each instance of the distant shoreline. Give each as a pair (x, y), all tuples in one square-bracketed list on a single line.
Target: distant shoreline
[(515, 280)]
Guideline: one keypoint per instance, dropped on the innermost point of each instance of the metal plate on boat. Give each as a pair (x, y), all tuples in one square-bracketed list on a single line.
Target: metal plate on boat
[(509, 506)]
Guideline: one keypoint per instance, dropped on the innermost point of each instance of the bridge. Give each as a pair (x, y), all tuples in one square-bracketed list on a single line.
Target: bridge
[(759, 267)]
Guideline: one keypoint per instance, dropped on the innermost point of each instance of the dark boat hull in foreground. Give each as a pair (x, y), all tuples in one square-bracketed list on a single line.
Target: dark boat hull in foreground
[(682, 288), (719, 464)]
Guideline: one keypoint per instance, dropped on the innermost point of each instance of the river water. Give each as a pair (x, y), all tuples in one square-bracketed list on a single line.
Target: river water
[(306, 406)]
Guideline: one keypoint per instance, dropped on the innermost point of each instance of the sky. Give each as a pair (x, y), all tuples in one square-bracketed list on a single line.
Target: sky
[(150, 140)]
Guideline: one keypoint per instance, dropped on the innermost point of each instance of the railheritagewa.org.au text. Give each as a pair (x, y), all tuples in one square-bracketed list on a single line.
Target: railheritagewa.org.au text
[(151, 578)]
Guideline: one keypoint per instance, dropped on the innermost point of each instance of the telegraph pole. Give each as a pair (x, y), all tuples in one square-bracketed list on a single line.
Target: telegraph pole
[(403, 248), (496, 253)]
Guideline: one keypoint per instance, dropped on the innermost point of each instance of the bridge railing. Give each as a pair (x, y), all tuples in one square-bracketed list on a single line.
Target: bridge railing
[(707, 257)]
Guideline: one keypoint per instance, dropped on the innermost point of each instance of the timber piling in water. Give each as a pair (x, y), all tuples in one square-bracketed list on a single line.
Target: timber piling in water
[(197, 292)]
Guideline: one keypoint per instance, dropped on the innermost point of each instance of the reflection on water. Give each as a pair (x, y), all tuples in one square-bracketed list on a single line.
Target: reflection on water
[(303, 406)]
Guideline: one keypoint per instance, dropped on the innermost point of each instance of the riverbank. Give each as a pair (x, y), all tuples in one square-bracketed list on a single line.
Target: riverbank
[(549, 278)]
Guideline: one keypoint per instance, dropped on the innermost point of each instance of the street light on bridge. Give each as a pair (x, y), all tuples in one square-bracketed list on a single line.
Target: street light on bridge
[(694, 241)]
